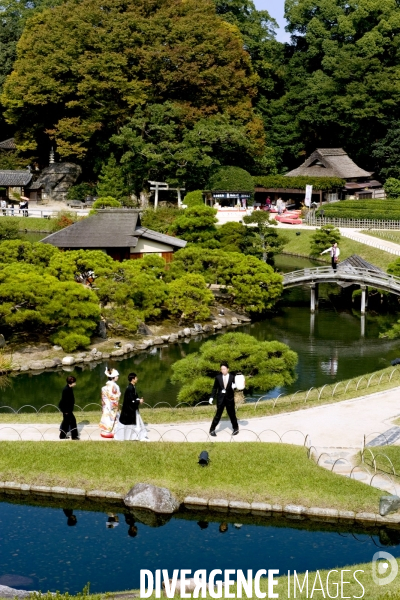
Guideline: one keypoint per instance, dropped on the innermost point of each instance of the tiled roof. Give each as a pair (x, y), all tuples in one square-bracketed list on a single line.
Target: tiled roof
[(8, 144), (109, 228), (15, 178)]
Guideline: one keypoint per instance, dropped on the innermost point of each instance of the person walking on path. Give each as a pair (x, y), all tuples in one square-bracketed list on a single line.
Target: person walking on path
[(223, 389), (66, 405), (335, 253), (130, 425), (110, 395)]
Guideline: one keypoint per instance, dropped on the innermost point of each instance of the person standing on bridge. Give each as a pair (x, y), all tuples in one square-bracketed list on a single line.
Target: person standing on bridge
[(335, 253)]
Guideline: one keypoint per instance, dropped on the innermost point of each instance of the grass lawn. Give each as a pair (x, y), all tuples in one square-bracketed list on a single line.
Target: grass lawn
[(30, 223), (384, 234), (275, 473), (352, 589), (301, 245), (336, 392)]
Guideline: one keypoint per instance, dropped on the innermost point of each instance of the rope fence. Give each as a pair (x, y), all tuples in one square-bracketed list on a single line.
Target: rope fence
[(327, 392)]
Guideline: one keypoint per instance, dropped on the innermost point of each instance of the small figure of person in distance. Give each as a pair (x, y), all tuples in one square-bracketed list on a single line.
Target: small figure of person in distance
[(66, 405), (130, 425), (335, 253), (224, 384)]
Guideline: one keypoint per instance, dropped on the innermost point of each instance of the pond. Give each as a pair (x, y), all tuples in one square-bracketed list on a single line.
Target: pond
[(48, 548), (330, 344)]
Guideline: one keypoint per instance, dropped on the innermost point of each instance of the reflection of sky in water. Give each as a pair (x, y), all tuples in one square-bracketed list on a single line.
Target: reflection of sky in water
[(37, 544)]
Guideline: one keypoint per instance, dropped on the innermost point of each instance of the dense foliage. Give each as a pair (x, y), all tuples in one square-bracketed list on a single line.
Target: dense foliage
[(196, 225), (265, 365), (231, 179), (392, 188), (249, 282), (193, 198), (270, 242), (299, 182)]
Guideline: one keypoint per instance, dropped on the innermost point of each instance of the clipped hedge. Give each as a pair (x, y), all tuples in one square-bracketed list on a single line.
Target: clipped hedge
[(381, 210), (231, 179), (299, 182)]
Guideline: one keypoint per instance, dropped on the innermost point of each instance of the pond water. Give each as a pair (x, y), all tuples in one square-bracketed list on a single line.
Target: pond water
[(330, 344), (39, 550)]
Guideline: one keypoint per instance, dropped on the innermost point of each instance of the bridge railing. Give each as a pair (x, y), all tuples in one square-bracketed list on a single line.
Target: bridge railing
[(369, 276)]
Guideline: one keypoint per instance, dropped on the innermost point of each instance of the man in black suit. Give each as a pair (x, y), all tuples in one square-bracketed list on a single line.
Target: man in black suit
[(224, 385), (66, 405)]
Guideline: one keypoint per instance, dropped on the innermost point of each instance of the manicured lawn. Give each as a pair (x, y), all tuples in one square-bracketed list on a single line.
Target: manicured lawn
[(30, 223), (300, 244), (383, 234), (276, 473)]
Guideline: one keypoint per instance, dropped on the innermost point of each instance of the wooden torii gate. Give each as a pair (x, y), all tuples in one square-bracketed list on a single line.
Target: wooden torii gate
[(155, 186)]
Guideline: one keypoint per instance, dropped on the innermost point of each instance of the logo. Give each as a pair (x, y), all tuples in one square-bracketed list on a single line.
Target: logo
[(384, 568)]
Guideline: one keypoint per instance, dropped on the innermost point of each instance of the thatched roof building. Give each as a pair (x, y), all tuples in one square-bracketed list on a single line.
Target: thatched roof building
[(330, 162), (117, 232)]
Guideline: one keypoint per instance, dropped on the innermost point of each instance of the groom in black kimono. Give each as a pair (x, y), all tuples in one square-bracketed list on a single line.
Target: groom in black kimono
[(224, 385)]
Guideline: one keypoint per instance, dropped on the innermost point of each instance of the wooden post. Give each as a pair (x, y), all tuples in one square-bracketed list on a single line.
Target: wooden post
[(312, 324)]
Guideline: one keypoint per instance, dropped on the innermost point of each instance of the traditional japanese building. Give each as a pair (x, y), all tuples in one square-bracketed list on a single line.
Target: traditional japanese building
[(335, 162), (117, 232)]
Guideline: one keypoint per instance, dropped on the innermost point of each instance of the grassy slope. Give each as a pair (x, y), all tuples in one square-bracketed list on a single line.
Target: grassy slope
[(301, 245), (275, 473), (384, 234)]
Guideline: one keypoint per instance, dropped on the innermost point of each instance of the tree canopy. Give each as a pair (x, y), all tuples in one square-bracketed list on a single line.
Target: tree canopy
[(231, 179), (265, 365), (83, 68)]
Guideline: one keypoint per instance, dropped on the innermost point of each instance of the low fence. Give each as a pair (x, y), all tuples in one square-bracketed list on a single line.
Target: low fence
[(353, 223), (374, 244), (42, 212), (327, 392)]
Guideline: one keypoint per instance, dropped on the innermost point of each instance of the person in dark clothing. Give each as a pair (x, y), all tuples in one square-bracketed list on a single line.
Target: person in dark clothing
[(224, 385), (71, 518), (130, 425), (66, 405)]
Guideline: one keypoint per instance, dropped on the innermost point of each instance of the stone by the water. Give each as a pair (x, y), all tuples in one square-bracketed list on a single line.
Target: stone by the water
[(159, 500), (388, 504)]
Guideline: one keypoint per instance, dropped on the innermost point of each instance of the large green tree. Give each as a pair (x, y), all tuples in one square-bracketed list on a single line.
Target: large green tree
[(342, 79), (84, 67), (265, 365)]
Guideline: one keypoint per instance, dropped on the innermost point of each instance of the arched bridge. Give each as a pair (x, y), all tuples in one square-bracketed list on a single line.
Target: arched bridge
[(344, 275)]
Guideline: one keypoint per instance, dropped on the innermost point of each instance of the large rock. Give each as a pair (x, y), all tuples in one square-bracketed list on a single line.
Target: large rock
[(388, 504), (150, 497), (150, 518), (143, 329), (57, 178), (101, 330), (68, 360), (2, 341), (208, 328)]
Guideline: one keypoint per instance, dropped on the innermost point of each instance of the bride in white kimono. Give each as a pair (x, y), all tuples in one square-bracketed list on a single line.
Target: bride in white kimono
[(130, 425), (110, 395)]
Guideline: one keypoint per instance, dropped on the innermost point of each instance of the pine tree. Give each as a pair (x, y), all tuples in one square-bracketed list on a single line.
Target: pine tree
[(111, 180)]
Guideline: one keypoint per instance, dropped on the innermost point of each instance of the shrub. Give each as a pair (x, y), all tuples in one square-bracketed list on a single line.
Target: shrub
[(188, 297), (392, 187), (64, 219), (107, 201), (8, 230), (193, 198), (323, 238), (265, 364), (231, 179), (380, 210), (160, 219)]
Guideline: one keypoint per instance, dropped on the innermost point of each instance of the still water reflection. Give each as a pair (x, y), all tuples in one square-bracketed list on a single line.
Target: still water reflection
[(331, 346), (41, 548)]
